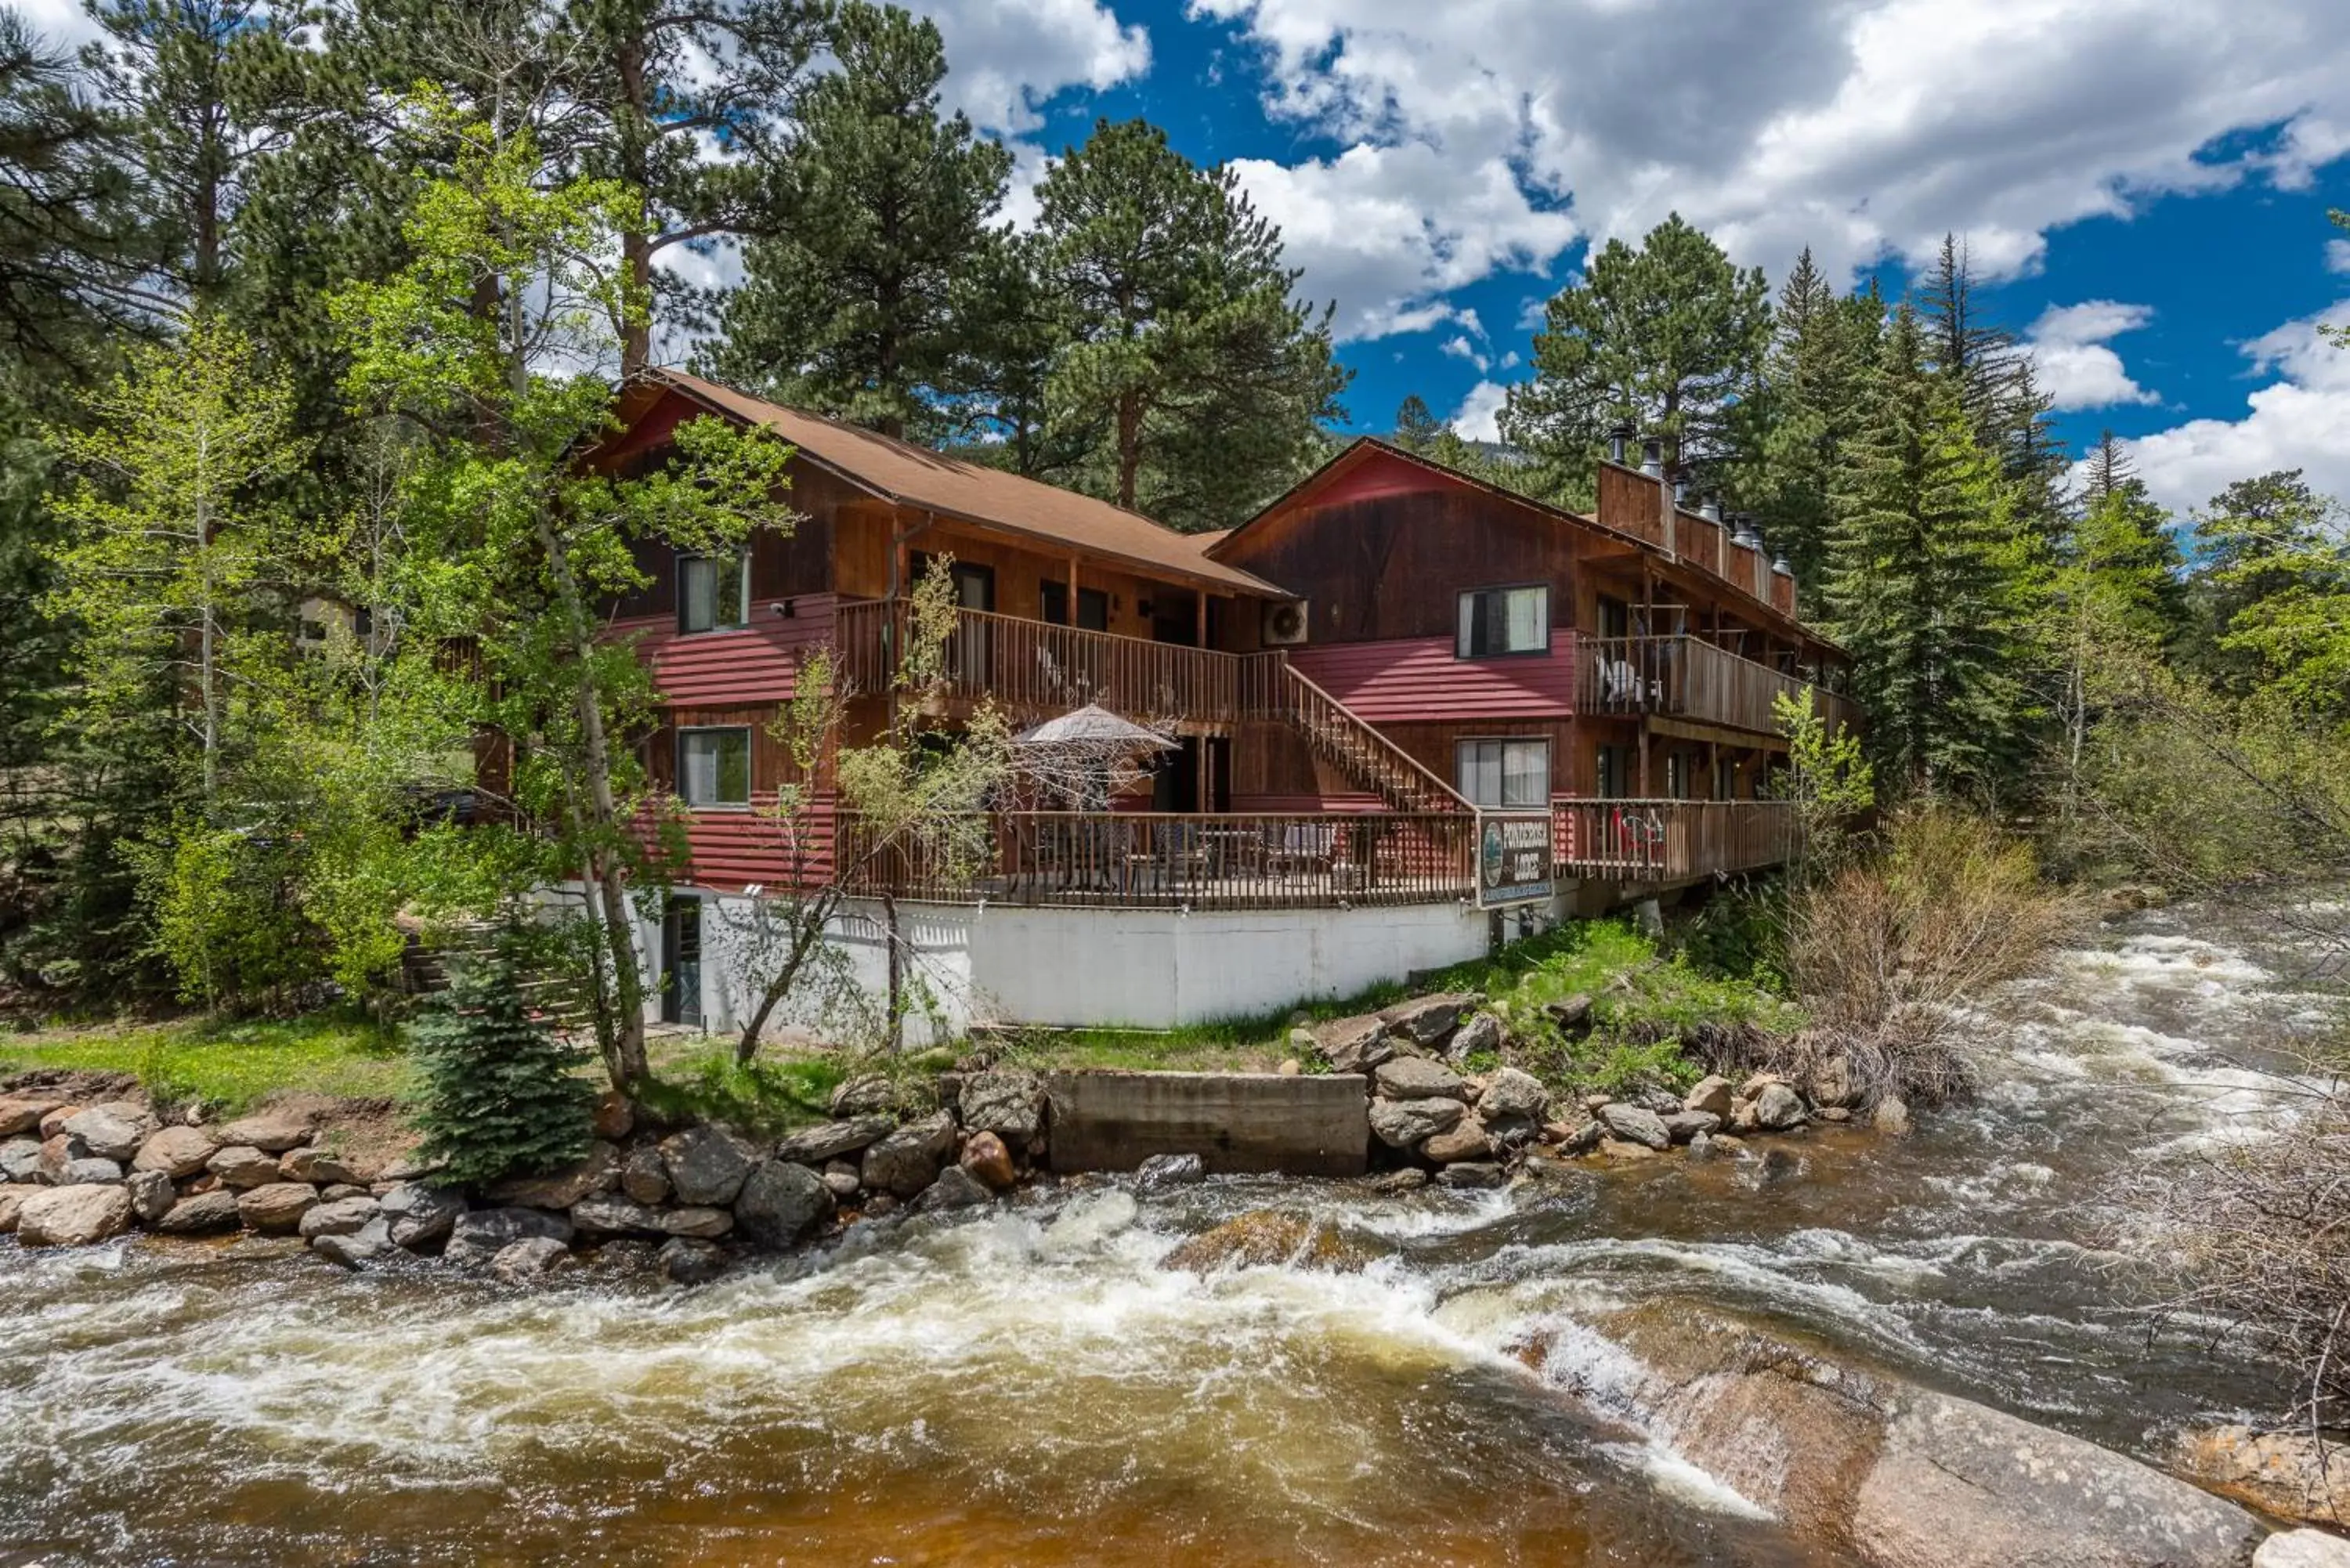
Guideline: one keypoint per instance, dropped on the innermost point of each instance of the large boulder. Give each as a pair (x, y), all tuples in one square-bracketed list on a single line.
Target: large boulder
[(243, 1165), (1510, 1093), (1170, 1170), (1832, 1084), (1400, 1123), (20, 1162), (177, 1152), (955, 1189), (687, 1261), (780, 1201), (151, 1195), (2291, 1475), (72, 1216), (1897, 1475), (701, 1224), (1465, 1141), (2302, 1549), (343, 1217), (89, 1170), (11, 1198), (1686, 1127), (317, 1166), (707, 1165), (830, 1140), (598, 1170), (909, 1159), (352, 1249), (1416, 1078), (1636, 1124), (201, 1214), (1355, 1044), (111, 1131), (871, 1095), (21, 1114), (1471, 1175), (985, 1156), (1006, 1101), (1711, 1094), (272, 1132), (419, 1216), (276, 1209), (479, 1235), (1481, 1034), (1428, 1020), (530, 1259), (1778, 1108), (644, 1176)]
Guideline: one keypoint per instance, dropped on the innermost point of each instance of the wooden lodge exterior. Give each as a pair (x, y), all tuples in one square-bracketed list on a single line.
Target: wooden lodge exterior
[(1357, 676)]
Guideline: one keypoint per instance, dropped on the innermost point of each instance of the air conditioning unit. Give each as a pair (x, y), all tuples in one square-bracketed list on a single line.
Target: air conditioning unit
[(1284, 623)]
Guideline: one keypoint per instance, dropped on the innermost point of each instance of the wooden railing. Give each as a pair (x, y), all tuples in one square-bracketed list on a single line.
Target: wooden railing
[(1683, 676), (1670, 840), (1220, 861), (1036, 667)]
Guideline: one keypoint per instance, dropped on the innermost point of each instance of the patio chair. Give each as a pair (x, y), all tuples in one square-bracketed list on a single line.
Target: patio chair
[(1300, 846)]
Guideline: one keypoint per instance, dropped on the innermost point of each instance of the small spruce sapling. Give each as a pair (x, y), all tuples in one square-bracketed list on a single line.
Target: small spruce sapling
[(502, 1092)]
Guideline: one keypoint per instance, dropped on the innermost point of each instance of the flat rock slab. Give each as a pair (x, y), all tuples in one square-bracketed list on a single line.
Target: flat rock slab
[(1237, 1123)]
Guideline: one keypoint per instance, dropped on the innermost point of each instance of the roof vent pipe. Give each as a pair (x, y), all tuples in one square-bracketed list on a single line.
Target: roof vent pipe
[(1779, 568), (1652, 458), (1681, 492), (1743, 533), (1618, 439), (1712, 509)]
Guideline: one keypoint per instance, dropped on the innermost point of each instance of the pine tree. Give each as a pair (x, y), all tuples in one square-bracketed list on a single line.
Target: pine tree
[(1998, 390), (1670, 336), (1195, 384), (1822, 347), (2272, 590), (502, 1094), (1416, 428), (852, 307), (1928, 580)]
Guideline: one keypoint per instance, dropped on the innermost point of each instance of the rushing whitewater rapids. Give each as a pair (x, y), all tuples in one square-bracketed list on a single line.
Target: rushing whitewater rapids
[(1028, 1385)]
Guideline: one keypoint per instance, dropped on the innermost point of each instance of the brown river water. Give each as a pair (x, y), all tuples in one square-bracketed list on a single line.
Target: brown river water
[(1028, 1385)]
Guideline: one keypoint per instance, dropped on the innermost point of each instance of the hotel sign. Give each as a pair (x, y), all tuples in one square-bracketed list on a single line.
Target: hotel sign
[(1513, 857)]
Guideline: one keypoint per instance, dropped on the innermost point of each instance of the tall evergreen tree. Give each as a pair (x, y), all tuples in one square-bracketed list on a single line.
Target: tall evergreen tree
[(1997, 388), (2272, 561), (1192, 379), (1822, 344), (1670, 336), (852, 307), (1416, 428)]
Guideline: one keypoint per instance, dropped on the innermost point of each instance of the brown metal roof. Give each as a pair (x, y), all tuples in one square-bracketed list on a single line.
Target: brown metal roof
[(928, 481)]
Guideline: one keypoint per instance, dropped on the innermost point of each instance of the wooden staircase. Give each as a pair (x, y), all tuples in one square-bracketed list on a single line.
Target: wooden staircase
[(1367, 758), (556, 998)]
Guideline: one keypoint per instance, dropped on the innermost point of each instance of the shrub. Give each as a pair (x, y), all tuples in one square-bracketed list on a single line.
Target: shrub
[(502, 1094)]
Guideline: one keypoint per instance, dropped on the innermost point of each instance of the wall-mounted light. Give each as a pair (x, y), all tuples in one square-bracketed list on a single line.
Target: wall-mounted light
[(787, 608)]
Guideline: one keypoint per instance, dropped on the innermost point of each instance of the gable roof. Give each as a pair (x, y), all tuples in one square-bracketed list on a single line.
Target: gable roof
[(916, 476)]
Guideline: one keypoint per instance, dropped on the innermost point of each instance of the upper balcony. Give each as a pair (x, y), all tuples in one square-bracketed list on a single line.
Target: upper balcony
[(1682, 675)]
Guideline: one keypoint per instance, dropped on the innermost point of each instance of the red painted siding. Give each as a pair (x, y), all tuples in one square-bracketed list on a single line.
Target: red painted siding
[(729, 850), (726, 668), (1419, 680)]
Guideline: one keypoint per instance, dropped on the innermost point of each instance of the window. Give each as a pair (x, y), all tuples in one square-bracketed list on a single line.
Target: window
[(1503, 620), (1725, 778), (1505, 772), (1614, 773), (1093, 606), (713, 593), (714, 766)]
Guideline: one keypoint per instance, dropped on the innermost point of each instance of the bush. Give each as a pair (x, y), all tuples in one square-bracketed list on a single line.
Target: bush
[(502, 1094)]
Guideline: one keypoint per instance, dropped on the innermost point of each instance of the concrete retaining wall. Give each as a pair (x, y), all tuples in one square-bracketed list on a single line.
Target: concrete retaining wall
[(1235, 1122)]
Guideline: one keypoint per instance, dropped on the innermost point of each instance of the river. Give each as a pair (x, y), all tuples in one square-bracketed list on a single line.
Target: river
[(1028, 1385)]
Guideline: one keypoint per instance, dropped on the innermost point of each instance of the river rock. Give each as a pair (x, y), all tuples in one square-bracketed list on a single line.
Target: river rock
[(598, 1170), (151, 1195), (1428, 1020), (479, 1235), (1481, 1034), (1354, 1044), (20, 1114), (113, 1130), (54, 1120), (2302, 1549), (1411, 1178), (1710, 1095), (1686, 1126), (1701, 1147), (1637, 1124), (20, 1162), (1901, 1475), (1831, 1083), (1400, 1123), (844, 1179), (2291, 1475), (89, 1170), (1466, 1141), (243, 1165), (343, 1217), (421, 1216), (1291, 1067), (1579, 1138), (1626, 1150), (644, 1177), (1470, 1175), (72, 1216), (955, 1189), (612, 1214), (1511, 1093), (687, 1261), (1892, 1115), (317, 1166), (1417, 1078), (706, 1224), (909, 1159), (355, 1248), (1169, 1170), (707, 1166), (58, 1151), (1778, 1108), (985, 1156), (12, 1198), (869, 1095), (530, 1259), (782, 1201), (201, 1214), (177, 1151), (272, 1132), (1572, 1014), (276, 1208), (830, 1140), (1006, 1101), (1267, 1238), (614, 1118)]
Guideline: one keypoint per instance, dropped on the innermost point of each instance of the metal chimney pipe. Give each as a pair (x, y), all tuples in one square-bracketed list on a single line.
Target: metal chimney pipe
[(1712, 509), (1618, 439), (1681, 492), (1652, 458), (1779, 567), (1743, 526)]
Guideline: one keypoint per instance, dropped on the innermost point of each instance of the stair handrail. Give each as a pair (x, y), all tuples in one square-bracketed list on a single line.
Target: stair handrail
[(1441, 795)]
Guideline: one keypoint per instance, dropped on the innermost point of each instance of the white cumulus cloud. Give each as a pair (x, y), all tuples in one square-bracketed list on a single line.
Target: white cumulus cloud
[(1479, 415), (2296, 420), (2337, 255), (1006, 57), (2075, 367)]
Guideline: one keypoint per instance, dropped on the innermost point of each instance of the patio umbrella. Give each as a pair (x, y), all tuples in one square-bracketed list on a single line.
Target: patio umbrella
[(1077, 754)]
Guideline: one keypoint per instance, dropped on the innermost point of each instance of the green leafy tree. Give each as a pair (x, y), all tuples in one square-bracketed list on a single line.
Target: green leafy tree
[(853, 307), (1670, 336), (2260, 544), (1192, 381), (1828, 780), (502, 1094)]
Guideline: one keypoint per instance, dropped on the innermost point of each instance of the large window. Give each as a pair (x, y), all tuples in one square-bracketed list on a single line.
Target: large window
[(713, 592), (1505, 772), (1495, 621), (713, 765), (1093, 606)]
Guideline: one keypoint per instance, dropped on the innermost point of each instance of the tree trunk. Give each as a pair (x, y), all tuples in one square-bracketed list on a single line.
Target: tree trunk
[(807, 929), (636, 331), (897, 975), (1129, 452)]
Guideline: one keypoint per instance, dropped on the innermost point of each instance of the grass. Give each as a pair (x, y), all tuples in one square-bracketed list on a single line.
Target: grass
[(699, 1079), (228, 1063)]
